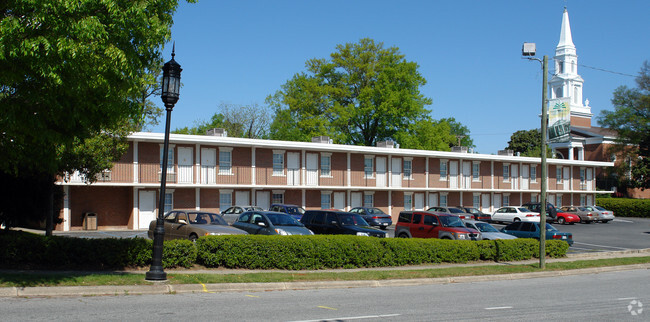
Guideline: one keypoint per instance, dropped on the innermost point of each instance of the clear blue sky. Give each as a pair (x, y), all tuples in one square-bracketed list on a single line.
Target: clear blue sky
[(239, 52)]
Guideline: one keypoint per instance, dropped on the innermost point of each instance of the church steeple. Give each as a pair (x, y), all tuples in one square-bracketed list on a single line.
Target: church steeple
[(566, 83)]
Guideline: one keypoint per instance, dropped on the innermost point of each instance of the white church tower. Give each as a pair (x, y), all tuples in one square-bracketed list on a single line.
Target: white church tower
[(566, 83)]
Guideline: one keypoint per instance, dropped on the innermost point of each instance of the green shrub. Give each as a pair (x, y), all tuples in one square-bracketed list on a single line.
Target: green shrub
[(28, 251), (623, 207)]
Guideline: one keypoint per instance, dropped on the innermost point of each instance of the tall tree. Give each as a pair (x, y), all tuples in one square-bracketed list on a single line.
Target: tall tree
[(73, 70), (527, 143), (364, 93), (240, 121), (631, 119), (73, 74)]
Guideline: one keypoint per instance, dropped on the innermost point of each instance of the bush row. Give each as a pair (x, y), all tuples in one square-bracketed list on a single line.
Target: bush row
[(623, 207), (28, 251)]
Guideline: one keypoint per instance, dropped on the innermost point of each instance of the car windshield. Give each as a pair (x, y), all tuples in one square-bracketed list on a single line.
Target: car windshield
[(375, 211), (472, 210), (204, 218), (590, 208), (456, 211), (295, 210), (253, 208), (582, 208), (283, 220), (351, 220), (450, 221), (600, 208), (522, 209), (486, 228)]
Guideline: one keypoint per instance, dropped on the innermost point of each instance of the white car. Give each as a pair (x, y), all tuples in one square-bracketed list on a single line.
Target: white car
[(514, 214)]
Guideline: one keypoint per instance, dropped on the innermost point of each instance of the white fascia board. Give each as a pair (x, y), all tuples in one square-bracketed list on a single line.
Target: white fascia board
[(325, 147)]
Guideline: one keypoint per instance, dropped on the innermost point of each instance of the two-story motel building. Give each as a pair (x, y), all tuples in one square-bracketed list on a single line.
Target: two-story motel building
[(213, 172)]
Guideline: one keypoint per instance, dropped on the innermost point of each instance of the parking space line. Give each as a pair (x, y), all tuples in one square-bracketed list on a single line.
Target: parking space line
[(499, 308), (623, 220), (601, 246)]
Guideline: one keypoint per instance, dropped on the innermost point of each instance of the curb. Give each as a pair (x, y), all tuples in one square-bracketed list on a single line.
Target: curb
[(116, 290)]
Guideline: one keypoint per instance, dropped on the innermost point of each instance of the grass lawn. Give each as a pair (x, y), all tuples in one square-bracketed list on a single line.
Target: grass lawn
[(30, 279)]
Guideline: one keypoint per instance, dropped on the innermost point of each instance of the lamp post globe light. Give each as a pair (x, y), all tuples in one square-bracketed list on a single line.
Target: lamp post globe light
[(528, 52), (170, 89)]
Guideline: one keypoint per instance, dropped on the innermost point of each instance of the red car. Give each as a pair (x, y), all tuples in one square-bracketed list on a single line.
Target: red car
[(566, 218)]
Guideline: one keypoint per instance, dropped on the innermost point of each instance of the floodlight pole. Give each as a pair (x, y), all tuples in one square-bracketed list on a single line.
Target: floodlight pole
[(528, 51)]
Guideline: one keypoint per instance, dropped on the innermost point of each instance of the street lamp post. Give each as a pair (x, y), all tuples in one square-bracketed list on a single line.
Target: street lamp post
[(528, 51), (170, 89)]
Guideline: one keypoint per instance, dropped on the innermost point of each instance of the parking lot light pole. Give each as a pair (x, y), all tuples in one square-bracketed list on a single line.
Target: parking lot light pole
[(528, 51), (170, 89)]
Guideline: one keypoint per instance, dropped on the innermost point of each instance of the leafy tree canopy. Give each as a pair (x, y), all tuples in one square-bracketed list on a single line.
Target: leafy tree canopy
[(631, 119), (363, 94), (73, 72), (527, 143), (438, 135)]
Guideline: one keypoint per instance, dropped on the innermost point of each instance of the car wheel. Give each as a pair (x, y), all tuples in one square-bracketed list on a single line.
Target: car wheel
[(561, 221), (193, 238), (403, 235), (605, 221), (383, 227), (516, 220)]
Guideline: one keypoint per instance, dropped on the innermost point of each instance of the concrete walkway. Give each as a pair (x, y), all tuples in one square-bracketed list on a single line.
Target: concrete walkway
[(165, 288)]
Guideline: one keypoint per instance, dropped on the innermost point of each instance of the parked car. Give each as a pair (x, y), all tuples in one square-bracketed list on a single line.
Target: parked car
[(293, 210), (426, 224), (604, 215), (231, 214), (270, 223), (329, 222), (565, 218), (454, 211), (181, 224), (514, 214), (531, 230), (373, 216), (585, 215), (487, 231), (478, 215), (551, 211)]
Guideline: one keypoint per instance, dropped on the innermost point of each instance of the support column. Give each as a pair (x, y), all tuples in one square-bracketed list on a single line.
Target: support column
[(570, 157), (66, 208)]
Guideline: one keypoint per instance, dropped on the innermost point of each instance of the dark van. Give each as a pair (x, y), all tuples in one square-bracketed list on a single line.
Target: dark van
[(330, 222)]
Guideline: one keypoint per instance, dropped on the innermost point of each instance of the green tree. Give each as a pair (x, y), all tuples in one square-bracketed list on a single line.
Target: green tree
[(631, 120), (363, 94), (437, 135), (72, 80), (527, 143)]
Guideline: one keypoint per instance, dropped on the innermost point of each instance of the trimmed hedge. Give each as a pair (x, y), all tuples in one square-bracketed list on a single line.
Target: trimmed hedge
[(28, 251), (327, 251), (624, 207)]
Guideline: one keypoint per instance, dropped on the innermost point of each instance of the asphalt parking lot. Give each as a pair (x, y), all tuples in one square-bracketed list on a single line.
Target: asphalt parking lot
[(620, 234)]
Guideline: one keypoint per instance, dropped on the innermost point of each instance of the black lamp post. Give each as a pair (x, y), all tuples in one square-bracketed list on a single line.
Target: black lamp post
[(170, 88)]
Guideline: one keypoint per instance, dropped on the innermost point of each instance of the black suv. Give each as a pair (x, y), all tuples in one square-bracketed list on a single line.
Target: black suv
[(329, 222), (551, 212)]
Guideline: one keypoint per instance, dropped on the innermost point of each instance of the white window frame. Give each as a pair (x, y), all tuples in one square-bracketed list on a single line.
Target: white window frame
[(278, 168), (326, 204), (533, 173), (225, 167), (170, 158), (476, 200), (408, 200), (444, 170), (368, 199), (169, 201), (476, 172), (506, 172), (368, 171), (558, 175), (223, 195), (326, 168), (277, 197), (442, 199), (407, 170)]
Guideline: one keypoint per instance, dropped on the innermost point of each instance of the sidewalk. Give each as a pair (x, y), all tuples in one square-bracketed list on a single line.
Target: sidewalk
[(164, 288)]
